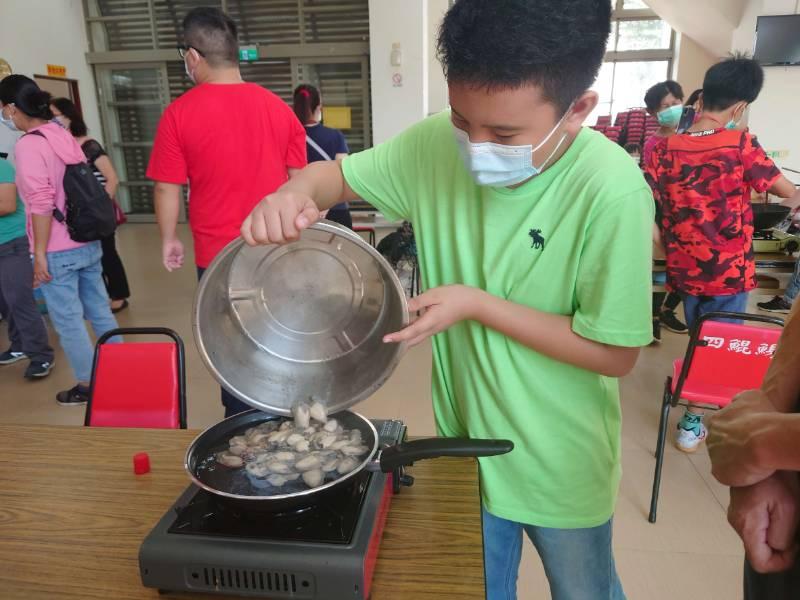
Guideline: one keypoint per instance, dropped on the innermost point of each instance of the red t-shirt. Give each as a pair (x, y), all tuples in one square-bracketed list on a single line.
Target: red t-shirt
[(702, 182), (233, 144)]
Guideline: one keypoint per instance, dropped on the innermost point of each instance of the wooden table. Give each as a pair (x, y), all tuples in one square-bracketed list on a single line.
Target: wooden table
[(72, 516)]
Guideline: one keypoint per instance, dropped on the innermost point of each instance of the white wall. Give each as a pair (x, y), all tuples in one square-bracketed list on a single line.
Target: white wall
[(395, 108), (772, 116), (691, 63), (35, 33), (437, 85)]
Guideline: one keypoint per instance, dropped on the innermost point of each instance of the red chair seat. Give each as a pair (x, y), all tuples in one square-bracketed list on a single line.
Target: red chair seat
[(698, 392), (122, 397)]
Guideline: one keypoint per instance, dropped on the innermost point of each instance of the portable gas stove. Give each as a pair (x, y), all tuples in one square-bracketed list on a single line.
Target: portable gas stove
[(774, 241), (327, 550)]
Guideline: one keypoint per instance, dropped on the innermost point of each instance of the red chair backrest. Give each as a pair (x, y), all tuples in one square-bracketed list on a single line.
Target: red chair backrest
[(736, 356), (136, 384)]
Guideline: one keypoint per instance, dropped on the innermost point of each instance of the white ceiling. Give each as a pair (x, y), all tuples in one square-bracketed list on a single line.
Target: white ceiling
[(708, 22)]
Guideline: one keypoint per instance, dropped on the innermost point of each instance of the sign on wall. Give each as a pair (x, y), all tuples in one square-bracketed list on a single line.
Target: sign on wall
[(56, 70)]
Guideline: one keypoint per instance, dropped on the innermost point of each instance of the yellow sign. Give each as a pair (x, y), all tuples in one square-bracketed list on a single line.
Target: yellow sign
[(338, 117), (56, 71)]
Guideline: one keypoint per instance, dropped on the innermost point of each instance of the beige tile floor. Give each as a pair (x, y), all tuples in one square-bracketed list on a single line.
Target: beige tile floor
[(691, 550)]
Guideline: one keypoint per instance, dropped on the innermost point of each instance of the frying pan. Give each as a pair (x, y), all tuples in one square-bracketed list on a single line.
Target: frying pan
[(766, 216), (236, 488)]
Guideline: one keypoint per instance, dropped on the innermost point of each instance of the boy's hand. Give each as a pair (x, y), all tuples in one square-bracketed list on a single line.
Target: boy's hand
[(733, 433), (765, 516), (442, 308), (279, 218)]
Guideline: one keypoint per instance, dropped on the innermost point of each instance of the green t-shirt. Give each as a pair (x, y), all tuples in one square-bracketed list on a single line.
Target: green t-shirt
[(11, 226), (593, 212)]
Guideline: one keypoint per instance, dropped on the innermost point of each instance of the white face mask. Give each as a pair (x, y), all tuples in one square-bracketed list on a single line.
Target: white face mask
[(498, 165), (8, 121), (189, 73)]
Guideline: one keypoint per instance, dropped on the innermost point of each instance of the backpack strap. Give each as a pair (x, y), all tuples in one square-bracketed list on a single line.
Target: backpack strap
[(318, 148)]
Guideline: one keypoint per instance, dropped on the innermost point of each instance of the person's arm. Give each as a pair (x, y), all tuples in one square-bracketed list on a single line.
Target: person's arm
[(293, 172), (8, 199), (40, 225), (167, 198), (297, 204), (759, 433), (103, 164), (782, 382)]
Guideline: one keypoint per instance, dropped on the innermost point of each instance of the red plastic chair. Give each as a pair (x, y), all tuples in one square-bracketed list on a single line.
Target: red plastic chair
[(722, 359), (138, 384)]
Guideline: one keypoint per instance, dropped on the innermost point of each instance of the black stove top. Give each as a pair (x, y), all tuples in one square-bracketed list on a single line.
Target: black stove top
[(332, 521)]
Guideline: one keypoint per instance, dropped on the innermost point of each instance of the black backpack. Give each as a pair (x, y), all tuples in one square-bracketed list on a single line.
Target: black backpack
[(90, 212)]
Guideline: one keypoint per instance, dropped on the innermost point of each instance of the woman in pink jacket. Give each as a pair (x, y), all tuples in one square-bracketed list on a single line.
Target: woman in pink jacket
[(68, 272)]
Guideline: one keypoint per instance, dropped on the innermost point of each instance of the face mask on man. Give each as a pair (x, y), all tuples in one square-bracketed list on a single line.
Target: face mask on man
[(189, 74), (8, 121), (670, 117), (498, 165)]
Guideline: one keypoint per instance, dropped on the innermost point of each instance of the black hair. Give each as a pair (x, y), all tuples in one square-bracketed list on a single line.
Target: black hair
[(213, 34), (694, 97), (656, 94), (306, 102), (735, 79), (24, 94), (557, 45), (77, 126)]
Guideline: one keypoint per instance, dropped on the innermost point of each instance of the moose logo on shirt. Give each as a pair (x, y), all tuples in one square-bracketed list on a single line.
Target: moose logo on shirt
[(537, 240)]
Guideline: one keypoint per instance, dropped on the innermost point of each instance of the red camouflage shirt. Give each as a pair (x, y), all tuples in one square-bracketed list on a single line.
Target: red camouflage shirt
[(702, 182)]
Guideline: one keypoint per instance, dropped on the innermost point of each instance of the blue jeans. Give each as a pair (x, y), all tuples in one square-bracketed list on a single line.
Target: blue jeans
[(793, 289), (75, 292), (579, 563), (695, 306), (233, 406)]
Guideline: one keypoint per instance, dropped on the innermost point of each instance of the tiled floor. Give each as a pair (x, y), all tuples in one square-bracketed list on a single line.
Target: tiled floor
[(691, 550)]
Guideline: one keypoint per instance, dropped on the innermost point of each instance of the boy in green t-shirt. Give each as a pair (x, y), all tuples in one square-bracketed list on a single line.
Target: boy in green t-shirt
[(533, 237)]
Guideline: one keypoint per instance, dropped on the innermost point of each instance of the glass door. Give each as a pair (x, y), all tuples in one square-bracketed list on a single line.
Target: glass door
[(132, 98)]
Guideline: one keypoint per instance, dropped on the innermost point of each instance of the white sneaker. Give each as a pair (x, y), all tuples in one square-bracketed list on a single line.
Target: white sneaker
[(688, 441)]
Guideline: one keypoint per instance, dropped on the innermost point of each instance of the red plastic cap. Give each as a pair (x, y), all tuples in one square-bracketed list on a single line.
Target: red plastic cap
[(141, 463)]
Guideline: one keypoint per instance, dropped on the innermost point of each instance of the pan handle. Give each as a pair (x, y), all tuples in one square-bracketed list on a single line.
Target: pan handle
[(407, 453)]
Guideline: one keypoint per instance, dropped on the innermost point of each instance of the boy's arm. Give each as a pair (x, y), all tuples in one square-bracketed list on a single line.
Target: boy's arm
[(546, 333), (281, 216), (783, 188)]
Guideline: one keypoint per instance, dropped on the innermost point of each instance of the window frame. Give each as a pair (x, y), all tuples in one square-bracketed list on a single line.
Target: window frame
[(620, 14)]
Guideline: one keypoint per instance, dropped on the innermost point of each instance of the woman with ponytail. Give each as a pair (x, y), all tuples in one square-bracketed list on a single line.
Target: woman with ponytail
[(322, 143), (68, 272)]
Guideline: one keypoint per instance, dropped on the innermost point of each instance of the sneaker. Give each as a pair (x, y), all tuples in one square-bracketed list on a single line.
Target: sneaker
[(38, 369), (76, 396), (691, 432), (671, 322), (777, 305), (8, 357)]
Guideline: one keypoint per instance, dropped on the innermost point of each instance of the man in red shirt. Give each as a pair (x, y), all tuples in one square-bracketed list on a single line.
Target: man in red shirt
[(232, 142), (702, 180)]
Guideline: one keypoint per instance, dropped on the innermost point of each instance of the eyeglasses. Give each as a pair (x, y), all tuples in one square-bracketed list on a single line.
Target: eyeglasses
[(182, 50)]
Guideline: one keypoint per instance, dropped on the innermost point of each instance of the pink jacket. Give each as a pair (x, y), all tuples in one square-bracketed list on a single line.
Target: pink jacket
[(40, 174)]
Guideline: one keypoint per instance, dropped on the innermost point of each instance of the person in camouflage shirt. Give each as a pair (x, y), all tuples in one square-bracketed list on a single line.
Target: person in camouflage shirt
[(702, 180)]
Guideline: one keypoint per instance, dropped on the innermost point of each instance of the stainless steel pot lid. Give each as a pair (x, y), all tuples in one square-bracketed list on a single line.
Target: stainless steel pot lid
[(278, 324), (314, 300)]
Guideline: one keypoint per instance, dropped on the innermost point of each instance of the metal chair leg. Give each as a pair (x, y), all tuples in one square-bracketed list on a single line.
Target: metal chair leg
[(662, 438)]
